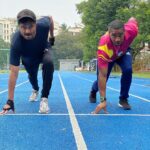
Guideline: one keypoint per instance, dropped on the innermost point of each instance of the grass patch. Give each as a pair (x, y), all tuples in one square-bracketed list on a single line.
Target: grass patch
[(7, 71), (4, 71), (141, 74), (135, 74)]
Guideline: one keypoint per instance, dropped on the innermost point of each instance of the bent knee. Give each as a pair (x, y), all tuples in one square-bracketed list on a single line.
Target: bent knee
[(48, 64)]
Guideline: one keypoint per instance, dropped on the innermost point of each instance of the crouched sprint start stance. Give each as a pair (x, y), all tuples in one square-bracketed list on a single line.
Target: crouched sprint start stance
[(114, 47), (31, 44)]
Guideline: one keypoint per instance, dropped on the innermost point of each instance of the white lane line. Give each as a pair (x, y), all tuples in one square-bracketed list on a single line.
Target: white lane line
[(141, 85), (144, 99), (15, 86), (81, 145), (37, 114)]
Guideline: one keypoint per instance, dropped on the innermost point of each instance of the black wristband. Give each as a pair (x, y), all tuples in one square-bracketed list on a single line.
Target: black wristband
[(102, 99), (11, 104), (52, 40)]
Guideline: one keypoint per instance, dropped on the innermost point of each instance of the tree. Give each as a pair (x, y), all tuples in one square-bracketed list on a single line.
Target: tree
[(67, 46), (64, 28), (141, 11), (3, 44), (4, 54), (96, 14)]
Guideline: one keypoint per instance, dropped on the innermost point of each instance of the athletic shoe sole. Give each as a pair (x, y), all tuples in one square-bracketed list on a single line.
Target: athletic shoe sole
[(33, 100), (123, 107), (42, 112)]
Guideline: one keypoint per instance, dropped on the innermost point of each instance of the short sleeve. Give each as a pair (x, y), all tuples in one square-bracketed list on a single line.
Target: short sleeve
[(15, 51)]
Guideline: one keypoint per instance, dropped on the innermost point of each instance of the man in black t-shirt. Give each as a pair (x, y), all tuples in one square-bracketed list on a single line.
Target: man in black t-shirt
[(31, 44)]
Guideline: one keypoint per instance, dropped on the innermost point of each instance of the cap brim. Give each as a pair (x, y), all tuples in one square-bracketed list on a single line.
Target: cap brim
[(26, 17)]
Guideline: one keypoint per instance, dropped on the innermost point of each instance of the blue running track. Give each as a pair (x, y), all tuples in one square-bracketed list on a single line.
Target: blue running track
[(69, 125)]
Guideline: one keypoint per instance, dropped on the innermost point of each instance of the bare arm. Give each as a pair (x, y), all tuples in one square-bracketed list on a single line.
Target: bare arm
[(102, 78), (12, 81), (51, 27)]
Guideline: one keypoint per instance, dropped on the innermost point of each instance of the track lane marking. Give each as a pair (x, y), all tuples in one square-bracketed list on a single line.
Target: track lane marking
[(144, 99), (107, 115), (81, 145), (15, 86)]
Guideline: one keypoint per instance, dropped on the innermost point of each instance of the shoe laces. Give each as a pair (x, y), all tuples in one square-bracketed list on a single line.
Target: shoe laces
[(45, 100), (34, 92)]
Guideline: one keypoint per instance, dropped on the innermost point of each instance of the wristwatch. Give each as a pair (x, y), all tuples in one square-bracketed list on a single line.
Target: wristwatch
[(102, 99)]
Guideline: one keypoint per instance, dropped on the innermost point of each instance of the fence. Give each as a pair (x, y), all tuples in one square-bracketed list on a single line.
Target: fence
[(4, 59)]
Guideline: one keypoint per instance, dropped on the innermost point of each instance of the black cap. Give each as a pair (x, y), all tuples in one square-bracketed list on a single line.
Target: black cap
[(26, 13)]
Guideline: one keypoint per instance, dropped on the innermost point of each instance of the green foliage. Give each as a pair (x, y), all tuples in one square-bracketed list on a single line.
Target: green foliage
[(3, 44), (96, 14), (64, 27), (143, 16), (4, 59), (4, 54), (67, 46), (141, 11)]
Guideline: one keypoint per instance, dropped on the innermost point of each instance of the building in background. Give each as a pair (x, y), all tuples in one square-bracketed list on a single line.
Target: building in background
[(57, 28), (9, 25), (76, 29), (7, 28), (1, 30)]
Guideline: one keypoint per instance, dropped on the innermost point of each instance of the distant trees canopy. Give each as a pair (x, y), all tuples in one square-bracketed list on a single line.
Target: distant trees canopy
[(67, 46), (141, 11), (3, 44), (4, 54), (96, 14)]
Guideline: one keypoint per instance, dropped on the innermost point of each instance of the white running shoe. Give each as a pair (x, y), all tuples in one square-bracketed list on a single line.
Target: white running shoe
[(44, 105), (34, 96)]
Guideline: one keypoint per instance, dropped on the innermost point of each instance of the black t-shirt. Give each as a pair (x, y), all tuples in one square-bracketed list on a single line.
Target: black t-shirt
[(30, 51)]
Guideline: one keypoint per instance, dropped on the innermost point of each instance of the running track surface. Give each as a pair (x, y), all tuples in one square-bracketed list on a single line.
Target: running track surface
[(69, 125)]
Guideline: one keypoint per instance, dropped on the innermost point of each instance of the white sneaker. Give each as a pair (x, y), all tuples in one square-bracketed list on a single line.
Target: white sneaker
[(34, 96), (44, 105)]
